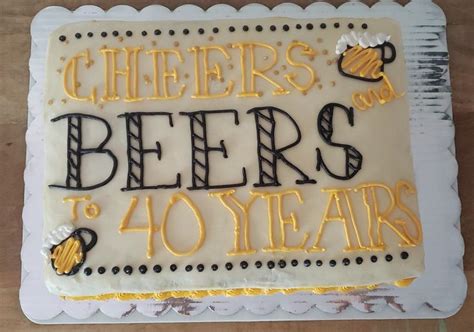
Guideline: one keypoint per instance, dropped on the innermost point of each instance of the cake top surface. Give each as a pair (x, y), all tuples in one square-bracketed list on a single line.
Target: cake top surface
[(263, 153)]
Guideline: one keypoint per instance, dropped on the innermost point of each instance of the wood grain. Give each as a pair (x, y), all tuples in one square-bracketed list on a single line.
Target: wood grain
[(15, 19)]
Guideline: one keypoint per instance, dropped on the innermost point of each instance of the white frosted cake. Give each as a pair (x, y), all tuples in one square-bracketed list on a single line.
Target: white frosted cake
[(227, 157)]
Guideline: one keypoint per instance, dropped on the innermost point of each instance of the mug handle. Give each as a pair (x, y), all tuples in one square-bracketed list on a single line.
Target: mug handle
[(92, 234), (393, 52)]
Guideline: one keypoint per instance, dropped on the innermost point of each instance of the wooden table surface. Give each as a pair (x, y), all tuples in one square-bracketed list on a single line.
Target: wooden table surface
[(15, 19)]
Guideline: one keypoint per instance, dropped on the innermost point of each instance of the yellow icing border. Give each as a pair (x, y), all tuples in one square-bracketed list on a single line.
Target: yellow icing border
[(197, 294)]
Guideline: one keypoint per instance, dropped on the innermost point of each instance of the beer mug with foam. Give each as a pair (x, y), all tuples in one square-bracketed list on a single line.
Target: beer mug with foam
[(68, 256), (366, 64)]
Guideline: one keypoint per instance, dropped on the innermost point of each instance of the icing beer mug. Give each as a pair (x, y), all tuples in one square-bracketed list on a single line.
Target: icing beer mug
[(68, 256), (366, 63)]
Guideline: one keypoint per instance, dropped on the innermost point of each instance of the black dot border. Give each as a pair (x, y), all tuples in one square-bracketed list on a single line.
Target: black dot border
[(266, 265), (216, 30)]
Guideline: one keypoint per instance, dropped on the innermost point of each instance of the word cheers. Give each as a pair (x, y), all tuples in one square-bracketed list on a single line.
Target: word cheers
[(163, 72)]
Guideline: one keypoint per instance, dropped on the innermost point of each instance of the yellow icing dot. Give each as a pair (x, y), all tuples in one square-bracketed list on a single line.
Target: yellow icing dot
[(147, 79), (89, 63)]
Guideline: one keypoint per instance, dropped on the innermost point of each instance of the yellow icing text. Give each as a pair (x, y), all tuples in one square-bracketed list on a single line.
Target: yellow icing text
[(364, 216), (227, 197), (214, 72), (363, 61), (70, 80), (384, 94), (372, 193), (197, 214), (305, 50), (283, 221), (230, 292), (91, 210), (377, 217), (150, 228), (154, 74), (130, 72), (166, 74), (339, 198)]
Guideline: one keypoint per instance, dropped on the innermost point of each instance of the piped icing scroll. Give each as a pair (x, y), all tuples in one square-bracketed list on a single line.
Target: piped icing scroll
[(228, 157)]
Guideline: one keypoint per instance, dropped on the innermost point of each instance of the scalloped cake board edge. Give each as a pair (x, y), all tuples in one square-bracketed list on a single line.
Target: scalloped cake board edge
[(432, 136)]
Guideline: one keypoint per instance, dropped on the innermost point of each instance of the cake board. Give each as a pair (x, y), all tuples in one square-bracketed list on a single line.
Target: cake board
[(438, 293)]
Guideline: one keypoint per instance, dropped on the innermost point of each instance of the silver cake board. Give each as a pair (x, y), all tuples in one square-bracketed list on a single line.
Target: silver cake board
[(438, 293)]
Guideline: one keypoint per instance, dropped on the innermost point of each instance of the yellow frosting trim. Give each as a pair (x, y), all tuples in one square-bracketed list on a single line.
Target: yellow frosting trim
[(197, 294)]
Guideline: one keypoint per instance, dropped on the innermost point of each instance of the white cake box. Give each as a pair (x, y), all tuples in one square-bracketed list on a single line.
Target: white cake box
[(438, 293)]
